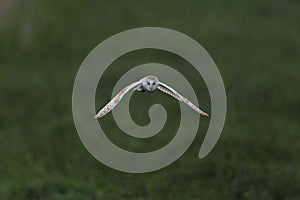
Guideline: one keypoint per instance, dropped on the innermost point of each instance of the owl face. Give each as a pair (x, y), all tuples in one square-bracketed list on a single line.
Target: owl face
[(150, 83)]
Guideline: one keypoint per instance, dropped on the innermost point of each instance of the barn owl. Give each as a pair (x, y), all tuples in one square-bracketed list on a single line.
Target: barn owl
[(148, 83)]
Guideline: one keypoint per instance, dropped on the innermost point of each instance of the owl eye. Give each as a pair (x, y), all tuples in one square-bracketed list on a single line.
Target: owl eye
[(148, 83)]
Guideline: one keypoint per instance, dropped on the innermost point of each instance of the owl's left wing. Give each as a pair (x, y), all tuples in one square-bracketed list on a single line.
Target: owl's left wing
[(106, 109), (170, 91)]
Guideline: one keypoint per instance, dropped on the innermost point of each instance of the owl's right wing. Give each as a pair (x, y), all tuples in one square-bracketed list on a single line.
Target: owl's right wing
[(106, 109), (170, 91)]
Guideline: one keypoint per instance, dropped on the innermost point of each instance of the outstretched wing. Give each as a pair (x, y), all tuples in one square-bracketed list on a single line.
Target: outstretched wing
[(170, 91), (106, 109)]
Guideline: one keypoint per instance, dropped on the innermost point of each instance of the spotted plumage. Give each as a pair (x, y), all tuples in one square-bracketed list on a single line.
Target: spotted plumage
[(148, 83)]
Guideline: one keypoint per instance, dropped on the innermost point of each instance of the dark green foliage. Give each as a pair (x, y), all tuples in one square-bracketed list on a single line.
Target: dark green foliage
[(256, 46)]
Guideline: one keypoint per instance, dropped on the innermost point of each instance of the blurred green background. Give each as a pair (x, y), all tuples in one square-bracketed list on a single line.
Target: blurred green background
[(256, 46)]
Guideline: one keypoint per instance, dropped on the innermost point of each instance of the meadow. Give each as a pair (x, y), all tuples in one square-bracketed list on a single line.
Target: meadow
[(256, 47)]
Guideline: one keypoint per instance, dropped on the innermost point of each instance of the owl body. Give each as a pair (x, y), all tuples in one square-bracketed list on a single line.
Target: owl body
[(148, 83)]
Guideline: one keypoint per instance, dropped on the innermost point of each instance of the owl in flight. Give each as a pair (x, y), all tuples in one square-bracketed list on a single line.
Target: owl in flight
[(148, 83)]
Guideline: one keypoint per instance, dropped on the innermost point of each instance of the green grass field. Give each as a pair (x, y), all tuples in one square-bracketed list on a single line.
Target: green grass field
[(256, 46)]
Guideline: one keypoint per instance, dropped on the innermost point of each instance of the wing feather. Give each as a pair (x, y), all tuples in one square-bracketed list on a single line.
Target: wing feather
[(106, 109), (170, 91)]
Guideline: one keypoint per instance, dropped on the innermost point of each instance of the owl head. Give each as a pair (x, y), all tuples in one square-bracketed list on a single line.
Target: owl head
[(150, 83)]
